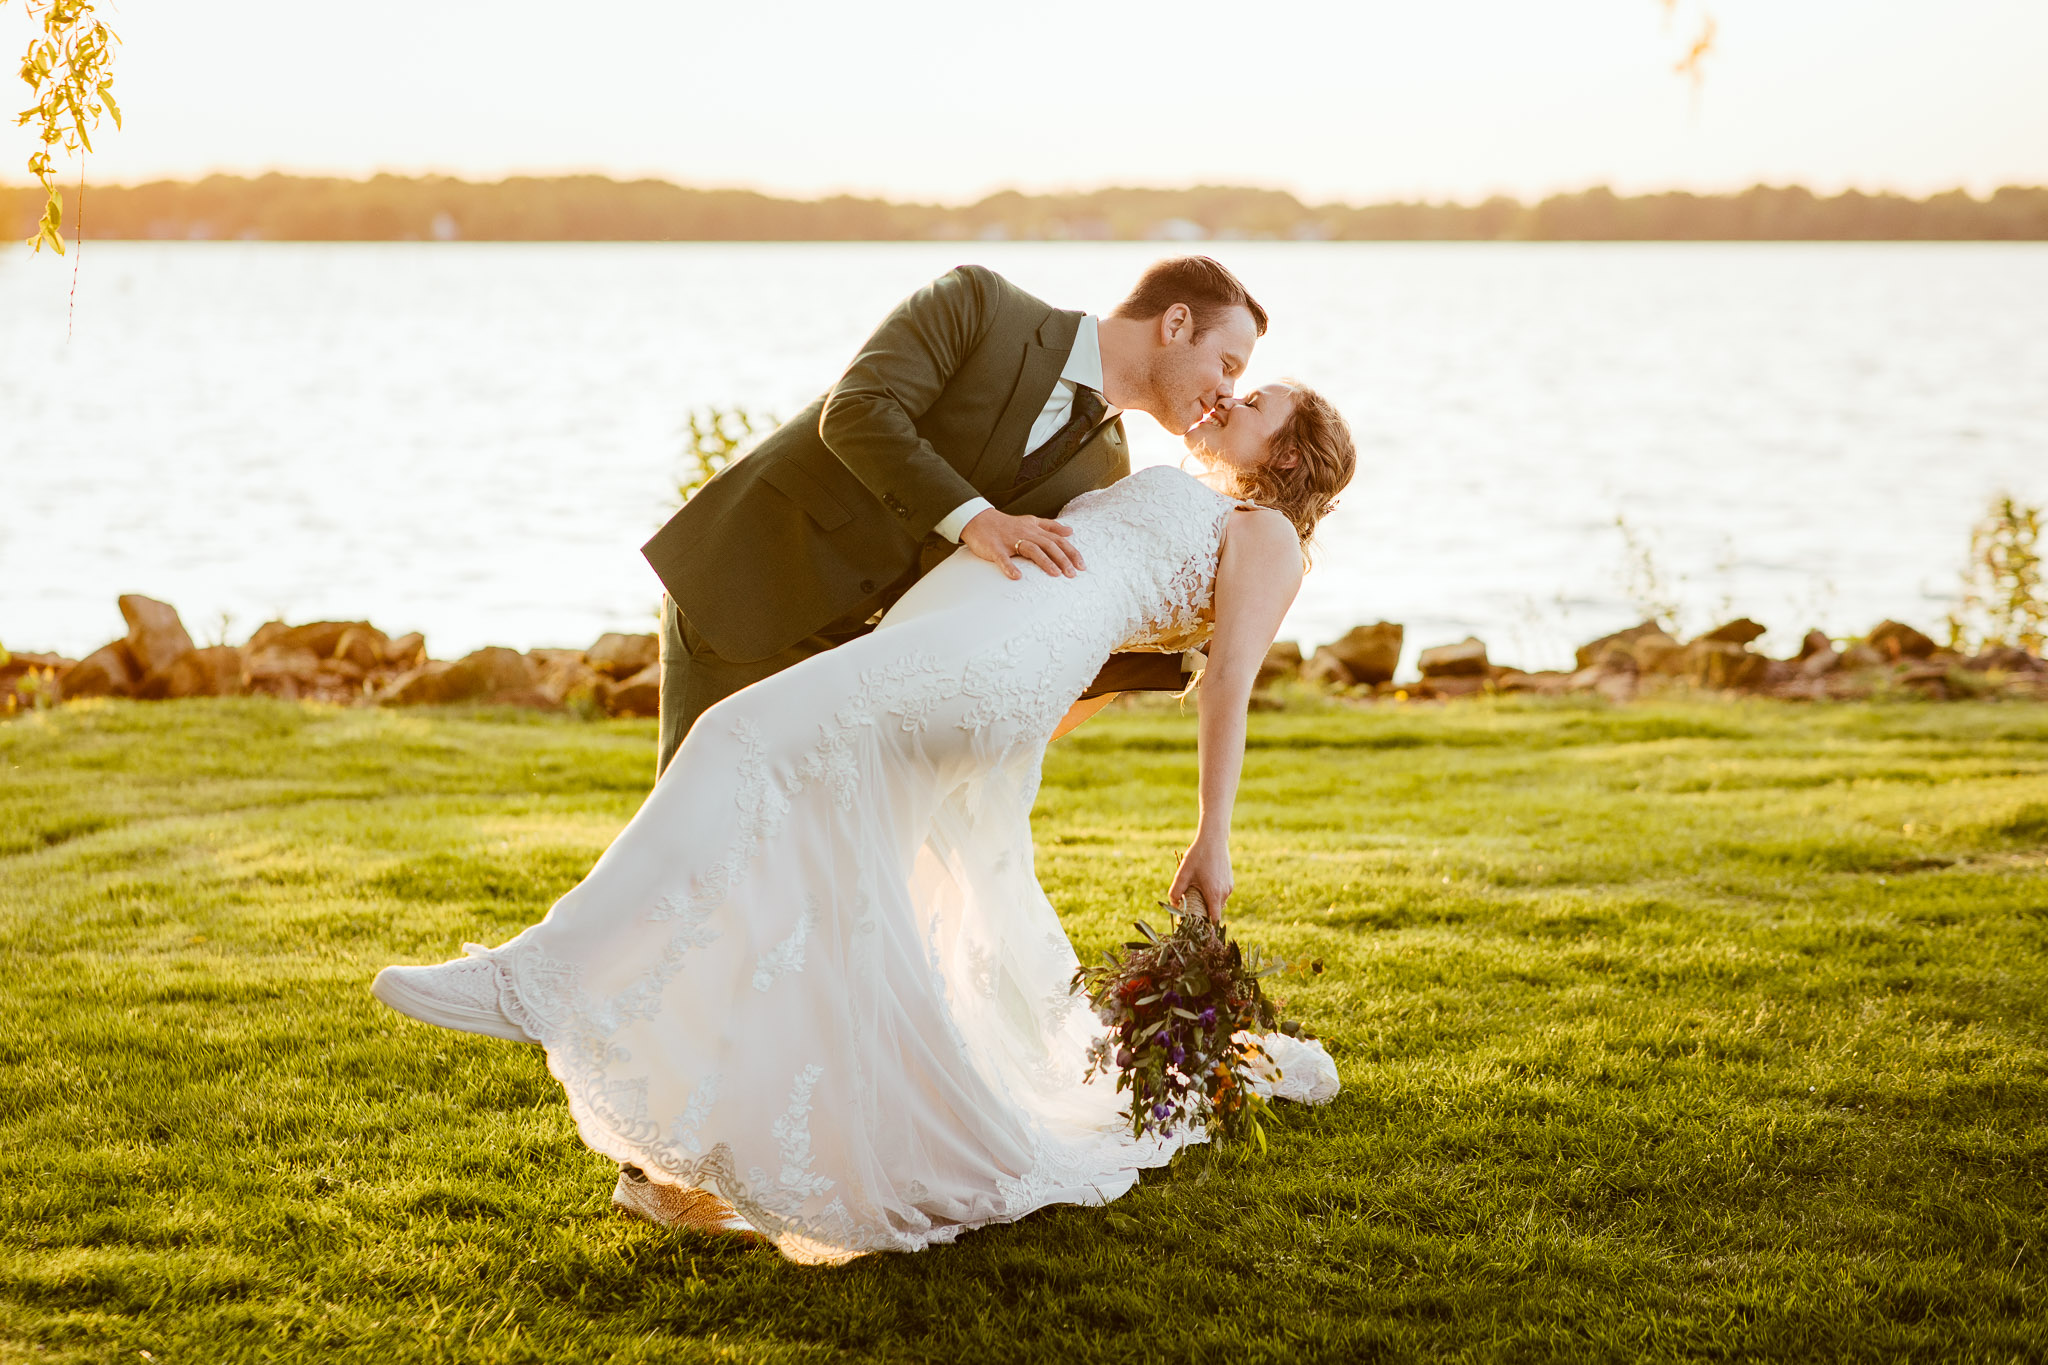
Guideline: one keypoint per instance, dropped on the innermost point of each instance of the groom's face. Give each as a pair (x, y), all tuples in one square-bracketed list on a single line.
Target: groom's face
[(1192, 373)]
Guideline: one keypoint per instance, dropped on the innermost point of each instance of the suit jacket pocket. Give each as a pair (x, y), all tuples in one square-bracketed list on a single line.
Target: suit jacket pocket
[(796, 484)]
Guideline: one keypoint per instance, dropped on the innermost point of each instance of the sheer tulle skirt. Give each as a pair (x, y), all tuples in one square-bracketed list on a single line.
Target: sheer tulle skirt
[(816, 973)]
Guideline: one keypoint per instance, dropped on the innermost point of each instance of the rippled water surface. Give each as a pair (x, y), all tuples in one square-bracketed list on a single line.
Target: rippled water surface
[(473, 440)]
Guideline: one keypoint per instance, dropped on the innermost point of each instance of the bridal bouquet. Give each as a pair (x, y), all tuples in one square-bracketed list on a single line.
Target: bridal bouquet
[(1184, 1010)]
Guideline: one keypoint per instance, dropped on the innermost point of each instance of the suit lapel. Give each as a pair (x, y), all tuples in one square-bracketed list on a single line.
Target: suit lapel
[(1098, 464), (1044, 356)]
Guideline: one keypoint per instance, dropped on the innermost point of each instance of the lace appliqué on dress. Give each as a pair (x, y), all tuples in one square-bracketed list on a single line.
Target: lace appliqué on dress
[(795, 1182), (684, 1133), (974, 697), (788, 955), (762, 809)]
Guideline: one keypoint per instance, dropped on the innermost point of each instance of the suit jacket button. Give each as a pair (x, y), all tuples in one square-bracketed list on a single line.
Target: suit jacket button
[(867, 585)]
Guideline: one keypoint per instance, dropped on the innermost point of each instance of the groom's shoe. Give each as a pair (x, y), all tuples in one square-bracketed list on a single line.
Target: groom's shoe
[(462, 994), (672, 1206)]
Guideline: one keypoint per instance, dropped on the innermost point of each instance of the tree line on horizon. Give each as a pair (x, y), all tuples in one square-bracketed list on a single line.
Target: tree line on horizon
[(278, 207)]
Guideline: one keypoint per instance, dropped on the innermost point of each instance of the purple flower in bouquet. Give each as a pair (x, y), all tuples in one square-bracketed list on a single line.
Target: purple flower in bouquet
[(1186, 1008)]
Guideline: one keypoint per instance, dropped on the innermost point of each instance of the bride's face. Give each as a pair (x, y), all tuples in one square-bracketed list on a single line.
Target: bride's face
[(1237, 432)]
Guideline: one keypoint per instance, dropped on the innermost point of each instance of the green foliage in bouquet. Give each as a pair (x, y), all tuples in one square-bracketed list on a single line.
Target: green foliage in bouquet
[(1184, 1010)]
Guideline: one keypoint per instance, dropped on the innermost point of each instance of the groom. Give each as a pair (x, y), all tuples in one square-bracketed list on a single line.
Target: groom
[(970, 417)]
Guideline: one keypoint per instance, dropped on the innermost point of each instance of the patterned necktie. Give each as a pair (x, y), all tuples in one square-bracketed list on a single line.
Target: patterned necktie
[(1061, 445)]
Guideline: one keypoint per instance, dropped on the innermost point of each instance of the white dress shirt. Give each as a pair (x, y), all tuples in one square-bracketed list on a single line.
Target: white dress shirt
[(1083, 368)]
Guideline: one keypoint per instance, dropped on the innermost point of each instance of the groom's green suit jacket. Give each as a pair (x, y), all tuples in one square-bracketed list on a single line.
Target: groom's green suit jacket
[(824, 521)]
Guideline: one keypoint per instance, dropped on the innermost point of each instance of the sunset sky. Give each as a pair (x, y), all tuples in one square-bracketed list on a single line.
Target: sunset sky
[(1348, 99)]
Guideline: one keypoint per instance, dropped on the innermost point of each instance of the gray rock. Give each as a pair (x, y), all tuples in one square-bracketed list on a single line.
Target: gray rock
[(1656, 653), (363, 645), (407, 651), (1616, 686), (1282, 661), (156, 640), (1547, 683), (212, 672), (495, 674), (1897, 641), (1723, 666), (1737, 632), (1590, 652), (425, 685), (2004, 659), (1466, 659), (1819, 662), (108, 671), (324, 638), (1326, 669), (279, 670), (1370, 654), (621, 656), (639, 695), (1445, 686)]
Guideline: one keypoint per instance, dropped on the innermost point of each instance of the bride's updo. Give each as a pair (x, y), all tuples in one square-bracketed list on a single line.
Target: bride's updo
[(1305, 489)]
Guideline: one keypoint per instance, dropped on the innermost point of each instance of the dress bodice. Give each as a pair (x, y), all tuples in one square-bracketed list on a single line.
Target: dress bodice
[(1154, 538)]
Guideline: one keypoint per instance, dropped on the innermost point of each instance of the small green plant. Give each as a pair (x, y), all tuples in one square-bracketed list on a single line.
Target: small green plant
[(718, 436), (583, 703), (2002, 600), (35, 690), (1644, 583)]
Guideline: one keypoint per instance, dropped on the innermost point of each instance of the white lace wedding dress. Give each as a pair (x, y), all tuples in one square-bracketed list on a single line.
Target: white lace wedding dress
[(816, 974)]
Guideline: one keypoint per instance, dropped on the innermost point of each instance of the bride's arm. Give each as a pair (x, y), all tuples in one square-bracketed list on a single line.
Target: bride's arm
[(1256, 579)]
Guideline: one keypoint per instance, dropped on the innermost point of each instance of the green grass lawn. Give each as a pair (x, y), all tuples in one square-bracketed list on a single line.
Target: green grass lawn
[(1705, 1031)]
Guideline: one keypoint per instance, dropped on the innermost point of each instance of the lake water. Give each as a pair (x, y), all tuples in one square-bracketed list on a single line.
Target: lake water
[(473, 439)]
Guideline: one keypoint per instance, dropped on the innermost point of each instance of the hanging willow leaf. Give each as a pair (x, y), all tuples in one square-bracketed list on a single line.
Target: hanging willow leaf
[(68, 68)]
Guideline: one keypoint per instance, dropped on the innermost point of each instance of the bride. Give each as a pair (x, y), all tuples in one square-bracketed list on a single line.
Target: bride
[(815, 976)]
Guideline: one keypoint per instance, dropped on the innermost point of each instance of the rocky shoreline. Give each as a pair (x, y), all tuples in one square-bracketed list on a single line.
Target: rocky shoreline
[(1892, 660), (343, 663), (353, 663)]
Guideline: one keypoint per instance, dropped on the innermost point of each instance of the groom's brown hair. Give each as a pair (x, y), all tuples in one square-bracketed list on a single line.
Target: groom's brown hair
[(1197, 281)]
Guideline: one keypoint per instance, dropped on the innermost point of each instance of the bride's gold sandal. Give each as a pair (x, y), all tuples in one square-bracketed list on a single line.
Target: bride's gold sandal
[(677, 1206)]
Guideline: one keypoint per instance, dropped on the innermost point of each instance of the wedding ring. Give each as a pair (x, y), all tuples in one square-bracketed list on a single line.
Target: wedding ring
[(1018, 548)]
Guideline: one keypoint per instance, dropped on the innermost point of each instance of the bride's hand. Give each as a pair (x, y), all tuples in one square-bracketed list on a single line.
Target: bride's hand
[(1205, 868)]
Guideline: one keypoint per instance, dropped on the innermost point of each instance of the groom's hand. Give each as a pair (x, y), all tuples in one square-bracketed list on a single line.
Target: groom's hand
[(1000, 538)]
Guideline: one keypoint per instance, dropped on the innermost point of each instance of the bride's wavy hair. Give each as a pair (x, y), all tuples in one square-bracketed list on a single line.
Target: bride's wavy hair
[(1306, 490)]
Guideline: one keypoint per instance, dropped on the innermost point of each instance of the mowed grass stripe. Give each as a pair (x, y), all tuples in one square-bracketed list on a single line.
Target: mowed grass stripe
[(1689, 1031)]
